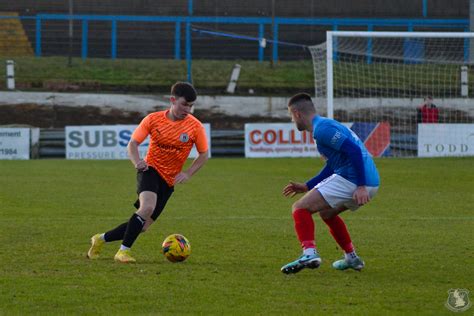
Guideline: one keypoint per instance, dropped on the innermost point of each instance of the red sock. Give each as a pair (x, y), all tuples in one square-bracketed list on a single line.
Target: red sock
[(304, 226), (339, 231)]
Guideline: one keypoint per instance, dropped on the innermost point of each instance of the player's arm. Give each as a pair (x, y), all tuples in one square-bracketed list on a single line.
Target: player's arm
[(199, 161), (134, 155), (332, 137), (138, 136), (295, 187), (323, 174), (353, 151)]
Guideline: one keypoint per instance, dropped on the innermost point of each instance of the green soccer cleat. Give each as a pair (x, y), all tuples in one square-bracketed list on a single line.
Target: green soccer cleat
[(124, 256), (343, 264), (96, 247), (305, 261)]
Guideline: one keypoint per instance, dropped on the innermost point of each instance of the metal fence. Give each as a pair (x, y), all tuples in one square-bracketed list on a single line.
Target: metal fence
[(186, 37), (257, 38)]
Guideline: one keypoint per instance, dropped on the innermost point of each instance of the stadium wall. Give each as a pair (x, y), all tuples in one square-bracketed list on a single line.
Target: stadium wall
[(257, 108), (227, 115)]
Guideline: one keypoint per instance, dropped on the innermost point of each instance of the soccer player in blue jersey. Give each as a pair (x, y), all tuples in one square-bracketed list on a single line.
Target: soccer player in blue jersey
[(348, 180)]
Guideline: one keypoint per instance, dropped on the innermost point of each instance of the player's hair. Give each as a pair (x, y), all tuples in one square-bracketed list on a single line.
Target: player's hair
[(302, 102), (185, 90)]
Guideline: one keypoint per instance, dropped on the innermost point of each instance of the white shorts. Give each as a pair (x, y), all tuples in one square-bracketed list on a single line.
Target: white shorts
[(338, 191)]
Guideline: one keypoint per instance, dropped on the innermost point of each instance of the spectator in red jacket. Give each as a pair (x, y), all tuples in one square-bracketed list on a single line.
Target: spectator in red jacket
[(427, 112)]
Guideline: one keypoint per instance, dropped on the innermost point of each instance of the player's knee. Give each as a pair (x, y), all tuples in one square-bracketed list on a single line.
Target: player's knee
[(147, 225), (298, 205), (294, 207), (145, 211)]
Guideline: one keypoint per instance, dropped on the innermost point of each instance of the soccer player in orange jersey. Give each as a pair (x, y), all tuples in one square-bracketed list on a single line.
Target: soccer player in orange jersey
[(172, 135)]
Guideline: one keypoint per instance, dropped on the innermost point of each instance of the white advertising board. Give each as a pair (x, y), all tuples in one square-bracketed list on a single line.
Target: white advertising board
[(441, 140), (108, 142), (277, 140), (14, 143)]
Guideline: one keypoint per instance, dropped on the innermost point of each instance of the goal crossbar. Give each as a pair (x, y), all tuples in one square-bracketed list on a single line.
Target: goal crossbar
[(401, 34)]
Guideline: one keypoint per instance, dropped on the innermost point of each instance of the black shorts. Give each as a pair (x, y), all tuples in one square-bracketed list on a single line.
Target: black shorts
[(151, 180)]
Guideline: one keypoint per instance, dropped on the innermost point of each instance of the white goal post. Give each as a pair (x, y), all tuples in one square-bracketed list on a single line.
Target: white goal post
[(385, 78)]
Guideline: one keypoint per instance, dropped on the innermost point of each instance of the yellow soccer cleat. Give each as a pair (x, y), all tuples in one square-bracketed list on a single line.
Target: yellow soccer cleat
[(96, 247), (124, 256)]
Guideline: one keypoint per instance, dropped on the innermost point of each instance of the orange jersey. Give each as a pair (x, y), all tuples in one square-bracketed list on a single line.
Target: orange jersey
[(170, 142)]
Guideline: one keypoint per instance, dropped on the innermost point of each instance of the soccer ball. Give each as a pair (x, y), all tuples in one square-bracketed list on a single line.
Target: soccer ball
[(176, 248)]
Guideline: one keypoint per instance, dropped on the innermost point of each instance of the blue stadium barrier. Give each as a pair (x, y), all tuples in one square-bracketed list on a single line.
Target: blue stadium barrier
[(336, 23), (260, 22)]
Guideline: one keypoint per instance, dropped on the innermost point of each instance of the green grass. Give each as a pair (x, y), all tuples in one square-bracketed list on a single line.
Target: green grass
[(396, 79), (158, 74), (212, 76), (416, 238)]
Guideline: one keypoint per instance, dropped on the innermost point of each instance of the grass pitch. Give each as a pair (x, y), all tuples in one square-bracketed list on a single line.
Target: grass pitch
[(135, 75), (416, 238)]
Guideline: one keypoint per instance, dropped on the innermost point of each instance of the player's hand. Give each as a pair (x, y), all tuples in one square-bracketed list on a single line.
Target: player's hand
[(361, 195), (141, 165), (293, 188), (182, 177)]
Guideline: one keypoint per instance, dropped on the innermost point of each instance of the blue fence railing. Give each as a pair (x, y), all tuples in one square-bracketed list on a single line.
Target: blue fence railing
[(334, 23), (261, 23)]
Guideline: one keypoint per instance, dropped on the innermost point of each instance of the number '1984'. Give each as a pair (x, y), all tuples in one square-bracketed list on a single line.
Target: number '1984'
[(8, 151)]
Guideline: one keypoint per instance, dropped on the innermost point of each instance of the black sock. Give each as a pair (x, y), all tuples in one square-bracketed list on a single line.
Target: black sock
[(117, 233), (134, 228)]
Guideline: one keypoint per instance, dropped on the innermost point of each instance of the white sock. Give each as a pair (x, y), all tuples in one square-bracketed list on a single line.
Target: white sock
[(350, 256), (102, 236), (309, 251), (122, 247)]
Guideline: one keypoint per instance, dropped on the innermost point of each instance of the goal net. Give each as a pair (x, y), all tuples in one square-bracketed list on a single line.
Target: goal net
[(403, 93)]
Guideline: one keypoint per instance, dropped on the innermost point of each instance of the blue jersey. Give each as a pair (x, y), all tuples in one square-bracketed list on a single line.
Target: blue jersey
[(329, 135)]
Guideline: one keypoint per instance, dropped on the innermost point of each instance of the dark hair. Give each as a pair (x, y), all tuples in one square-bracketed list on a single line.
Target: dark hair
[(302, 102), (185, 90)]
